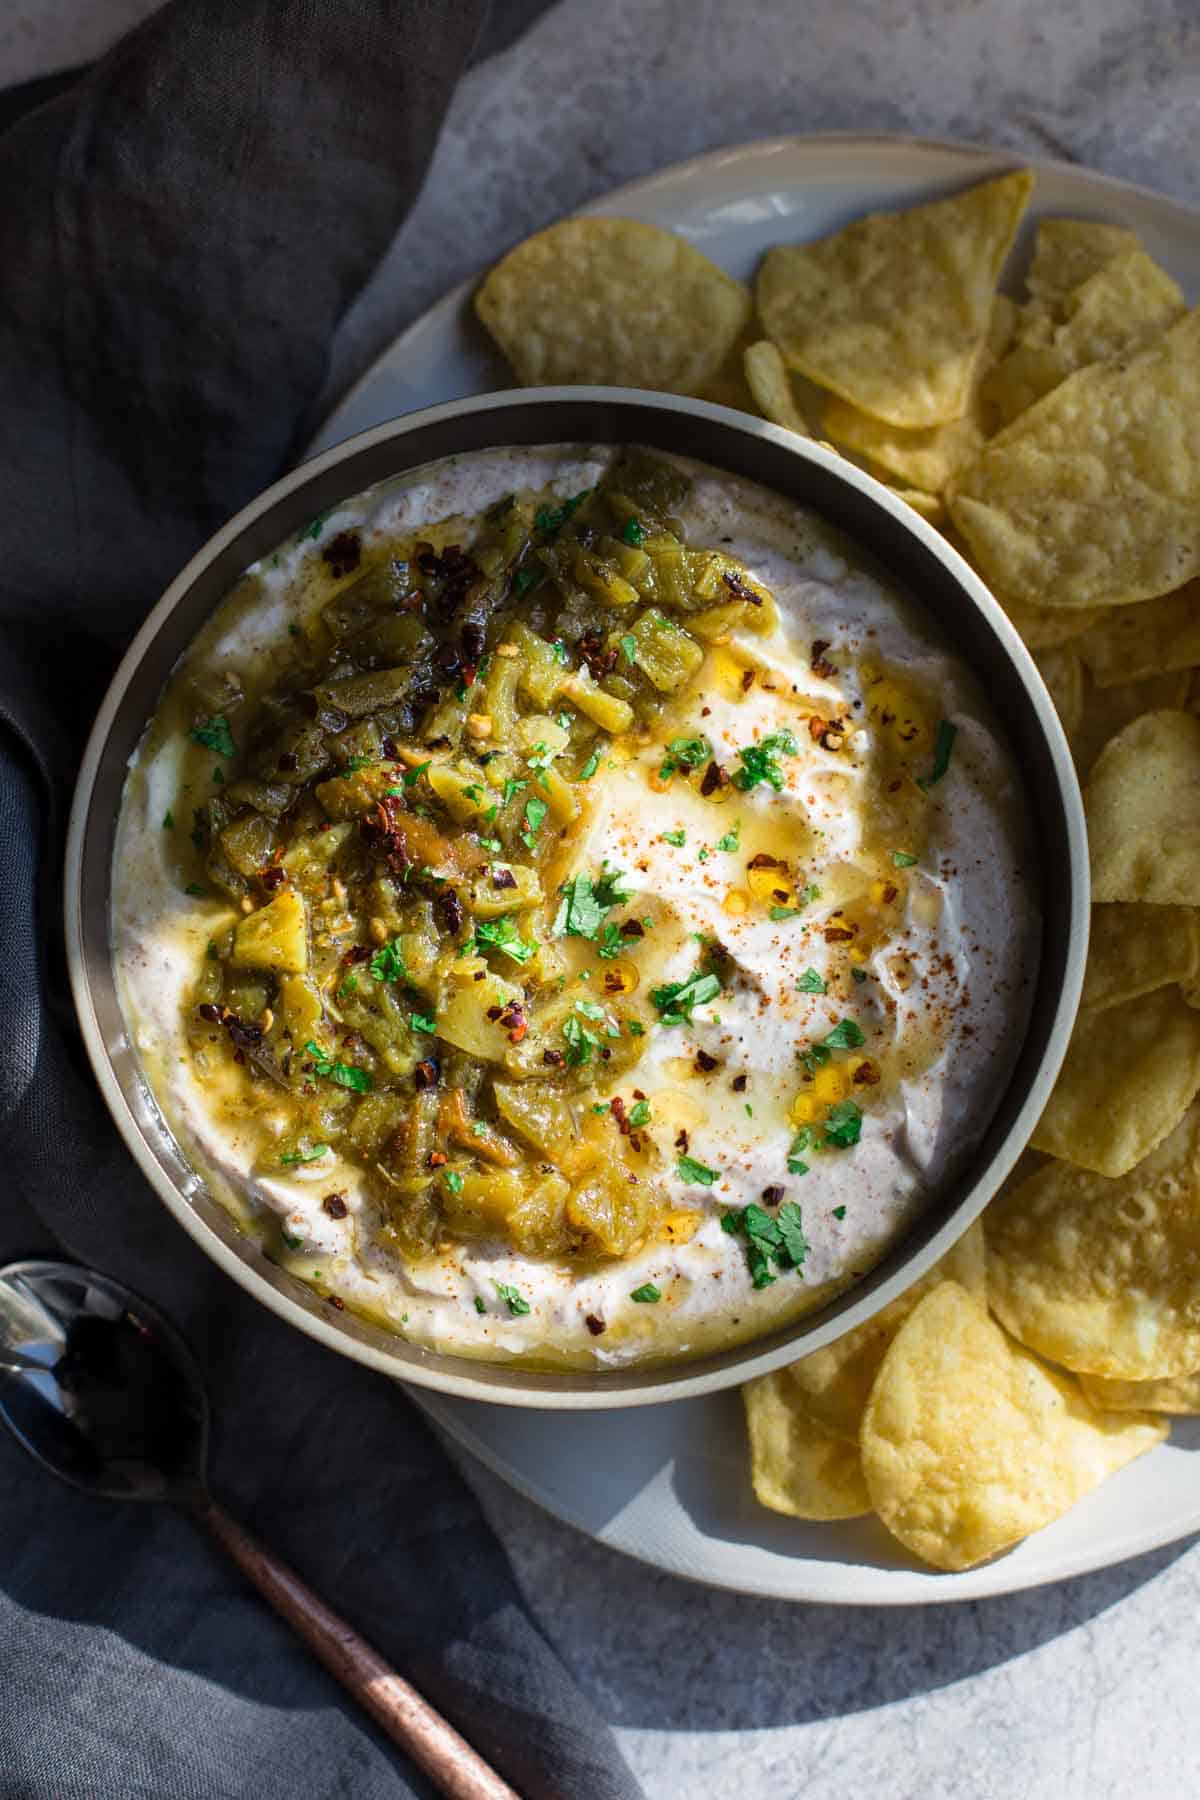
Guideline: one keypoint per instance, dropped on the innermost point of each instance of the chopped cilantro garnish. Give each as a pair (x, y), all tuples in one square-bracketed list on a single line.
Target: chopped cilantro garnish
[(684, 753), (811, 983), (647, 1294), (784, 912), (535, 814), (347, 1075), (639, 1114), (586, 903), (560, 652), (839, 1212), (779, 1242), (676, 1000), (211, 951), (629, 648), (760, 761), (859, 975), (589, 1009), (512, 789), (942, 747), (423, 1022), (589, 768), (314, 529), (689, 1169), (524, 579), (843, 1124), (731, 839), (194, 888), (355, 763), (304, 1156), (488, 843), (480, 1306), (218, 777), (512, 1298), (550, 520), (902, 859), (502, 934), (844, 1036), (387, 964), (168, 820), (632, 533), (610, 942), (808, 894), (636, 1028), (454, 1181), (677, 838), (580, 1041), (800, 1143), (214, 734)]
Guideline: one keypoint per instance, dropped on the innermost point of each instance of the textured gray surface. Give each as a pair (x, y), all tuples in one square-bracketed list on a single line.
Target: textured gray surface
[(1084, 1692)]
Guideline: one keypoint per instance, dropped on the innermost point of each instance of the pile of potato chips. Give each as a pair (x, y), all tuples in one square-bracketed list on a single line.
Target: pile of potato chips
[(1057, 443)]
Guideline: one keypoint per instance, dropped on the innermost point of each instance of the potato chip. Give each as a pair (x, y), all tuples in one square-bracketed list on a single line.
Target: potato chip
[(1121, 308), (728, 385), (612, 301), (1135, 949), (1154, 638), (1068, 252), (767, 379), (1173, 1394), (1062, 672), (928, 459), (969, 1443), (1116, 1098), (833, 1385), (1108, 710), (1143, 812), (1044, 627), (892, 312), (1092, 497), (928, 505), (1104, 1276), (795, 1466)]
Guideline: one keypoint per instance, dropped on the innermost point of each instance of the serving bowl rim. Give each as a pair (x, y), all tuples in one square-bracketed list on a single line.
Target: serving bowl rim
[(593, 415)]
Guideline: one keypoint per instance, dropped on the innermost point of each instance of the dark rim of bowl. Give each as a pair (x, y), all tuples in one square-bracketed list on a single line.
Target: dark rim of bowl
[(814, 476)]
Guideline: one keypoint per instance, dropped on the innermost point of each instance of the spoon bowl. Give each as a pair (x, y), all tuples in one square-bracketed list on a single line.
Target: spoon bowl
[(104, 1393)]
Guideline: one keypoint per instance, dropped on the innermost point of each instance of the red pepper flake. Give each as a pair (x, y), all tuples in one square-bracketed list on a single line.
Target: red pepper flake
[(425, 1074), (503, 878), (336, 1301), (748, 679), (714, 777), (706, 1063), (819, 664), (335, 1206), (438, 1159), (866, 1075), (838, 934), (763, 861), (681, 1142), (889, 893), (633, 928), (342, 553), (737, 586), (738, 1084), (596, 1326), (553, 1058), (616, 1107), (772, 1195)]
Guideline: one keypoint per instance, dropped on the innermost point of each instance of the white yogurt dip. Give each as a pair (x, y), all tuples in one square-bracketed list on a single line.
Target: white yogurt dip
[(939, 992)]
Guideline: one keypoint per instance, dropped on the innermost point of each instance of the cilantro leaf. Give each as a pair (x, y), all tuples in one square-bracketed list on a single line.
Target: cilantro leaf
[(535, 814), (811, 983), (610, 942), (502, 934), (731, 840), (902, 859), (589, 768), (845, 1035), (512, 1297), (675, 1001), (580, 1041), (304, 1156), (684, 753), (689, 1169), (647, 1294), (586, 903), (168, 823), (347, 1075), (632, 533), (387, 964), (550, 520), (423, 1022), (454, 1181), (676, 838), (480, 1304), (214, 734), (524, 579), (760, 761), (410, 777), (843, 1124), (629, 648), (839, 1212), (639, 1114), (942, 748), (791, 1230)]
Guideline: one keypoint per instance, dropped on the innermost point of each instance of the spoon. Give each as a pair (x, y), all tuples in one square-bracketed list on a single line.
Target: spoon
[(104, 1393)]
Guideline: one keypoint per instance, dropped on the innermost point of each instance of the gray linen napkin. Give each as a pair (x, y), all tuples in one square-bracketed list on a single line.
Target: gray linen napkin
[(181, 230)]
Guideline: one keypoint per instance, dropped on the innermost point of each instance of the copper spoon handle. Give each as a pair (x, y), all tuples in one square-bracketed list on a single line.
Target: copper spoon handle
[(392, 1702)]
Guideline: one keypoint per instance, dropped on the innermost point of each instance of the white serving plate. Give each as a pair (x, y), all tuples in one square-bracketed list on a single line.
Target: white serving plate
[(669, 1484)]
